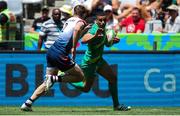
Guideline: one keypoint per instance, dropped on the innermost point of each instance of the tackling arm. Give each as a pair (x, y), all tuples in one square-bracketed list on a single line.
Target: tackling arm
[(76, 36)]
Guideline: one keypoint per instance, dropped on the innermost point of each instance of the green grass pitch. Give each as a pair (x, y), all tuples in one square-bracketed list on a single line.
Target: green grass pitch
[(60, 110)]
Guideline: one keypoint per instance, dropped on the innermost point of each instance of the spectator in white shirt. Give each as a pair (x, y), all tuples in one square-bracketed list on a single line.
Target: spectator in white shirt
[(173, 23), (111, 22)]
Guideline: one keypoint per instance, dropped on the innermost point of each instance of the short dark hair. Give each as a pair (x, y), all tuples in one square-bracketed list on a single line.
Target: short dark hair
[(136, 8), (100, 12), (45, 9), (79, 10)]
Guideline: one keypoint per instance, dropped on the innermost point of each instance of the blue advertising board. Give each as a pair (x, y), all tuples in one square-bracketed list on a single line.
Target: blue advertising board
[(144, 79)]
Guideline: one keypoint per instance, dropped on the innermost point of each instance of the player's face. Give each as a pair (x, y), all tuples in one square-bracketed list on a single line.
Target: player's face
[(101, 21)]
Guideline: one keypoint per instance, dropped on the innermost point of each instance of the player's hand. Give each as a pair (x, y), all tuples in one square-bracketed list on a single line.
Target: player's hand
[(86, 28), (99, 33), (116, 40)]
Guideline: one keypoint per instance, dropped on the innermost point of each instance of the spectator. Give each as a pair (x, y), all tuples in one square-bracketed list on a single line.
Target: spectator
[(66, 12), (150, 8), (178, 3), (76, 2), (173, 23), (124, 7), (154, 4), (7, 26), (111, 22), (93, 7), (40, 20), (50, 29), (134, 23)]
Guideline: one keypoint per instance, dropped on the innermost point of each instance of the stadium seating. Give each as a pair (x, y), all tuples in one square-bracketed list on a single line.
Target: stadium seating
[(25, 3), (15, 7), (32, 1)]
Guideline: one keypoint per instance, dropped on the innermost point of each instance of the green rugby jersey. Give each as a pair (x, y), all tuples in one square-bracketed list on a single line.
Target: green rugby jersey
[(95, 47)]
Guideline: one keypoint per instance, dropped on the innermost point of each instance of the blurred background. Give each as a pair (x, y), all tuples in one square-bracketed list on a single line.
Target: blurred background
[(156, 19)]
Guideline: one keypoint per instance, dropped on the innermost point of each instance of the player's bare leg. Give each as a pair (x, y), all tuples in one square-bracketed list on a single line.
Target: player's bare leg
[(39, 91), (106, 71), (74, 74), (84, 86)]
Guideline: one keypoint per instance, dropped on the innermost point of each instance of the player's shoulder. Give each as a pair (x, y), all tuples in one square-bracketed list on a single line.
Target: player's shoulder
[(94, 27), (73, 19)]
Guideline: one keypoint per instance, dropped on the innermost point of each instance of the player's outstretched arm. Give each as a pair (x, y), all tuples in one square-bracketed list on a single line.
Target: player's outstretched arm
[(76, 36)]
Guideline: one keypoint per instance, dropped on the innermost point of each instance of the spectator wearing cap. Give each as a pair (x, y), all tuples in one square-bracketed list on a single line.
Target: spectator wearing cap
[(173, 23), (40, 20), (66, 12), (111, 22)]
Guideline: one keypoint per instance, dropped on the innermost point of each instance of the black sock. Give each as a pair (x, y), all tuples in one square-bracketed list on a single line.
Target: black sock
[(59, 78), (31, 100)]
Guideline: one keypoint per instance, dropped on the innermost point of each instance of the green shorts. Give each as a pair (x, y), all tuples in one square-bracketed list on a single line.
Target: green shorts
[(89, 69)]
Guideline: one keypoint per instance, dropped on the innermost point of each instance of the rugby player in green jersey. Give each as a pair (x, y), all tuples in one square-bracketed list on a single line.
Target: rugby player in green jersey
[(93, 61)]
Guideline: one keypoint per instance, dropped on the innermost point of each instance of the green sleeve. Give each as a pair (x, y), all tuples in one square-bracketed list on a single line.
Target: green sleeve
[(93, 29)]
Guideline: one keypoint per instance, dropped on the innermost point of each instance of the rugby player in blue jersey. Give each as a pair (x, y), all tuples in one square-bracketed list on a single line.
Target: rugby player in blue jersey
[(58, 56)]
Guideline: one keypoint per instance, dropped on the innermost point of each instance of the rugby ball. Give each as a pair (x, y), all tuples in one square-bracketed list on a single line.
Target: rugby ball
[(111, 34)]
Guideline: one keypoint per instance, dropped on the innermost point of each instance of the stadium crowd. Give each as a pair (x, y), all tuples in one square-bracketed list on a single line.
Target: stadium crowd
[(124, 16), (137, 16)]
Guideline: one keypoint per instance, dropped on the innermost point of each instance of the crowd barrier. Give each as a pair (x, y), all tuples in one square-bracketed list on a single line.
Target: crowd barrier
[(144, 79), (144, 41)]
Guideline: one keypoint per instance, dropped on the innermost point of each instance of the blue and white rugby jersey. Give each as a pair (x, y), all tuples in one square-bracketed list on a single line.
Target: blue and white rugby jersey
[(64, 43)]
